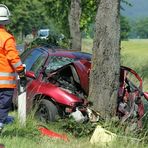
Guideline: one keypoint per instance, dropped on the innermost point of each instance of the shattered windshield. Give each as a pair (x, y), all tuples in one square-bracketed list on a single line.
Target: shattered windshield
[(57, 62)]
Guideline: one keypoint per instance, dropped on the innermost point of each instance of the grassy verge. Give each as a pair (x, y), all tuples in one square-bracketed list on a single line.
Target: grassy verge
[(15, 136)]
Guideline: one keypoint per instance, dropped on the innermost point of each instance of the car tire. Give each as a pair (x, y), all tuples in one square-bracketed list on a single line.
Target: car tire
[(47, 111)]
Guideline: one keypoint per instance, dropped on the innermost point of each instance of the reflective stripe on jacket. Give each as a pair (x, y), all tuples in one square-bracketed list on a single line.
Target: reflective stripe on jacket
[(10, 62)]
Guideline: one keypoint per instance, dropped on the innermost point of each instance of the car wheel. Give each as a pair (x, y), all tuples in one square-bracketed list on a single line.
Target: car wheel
[(47, 111)]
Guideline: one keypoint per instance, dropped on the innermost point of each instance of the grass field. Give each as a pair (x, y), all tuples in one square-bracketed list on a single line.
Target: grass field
[(135, 55)]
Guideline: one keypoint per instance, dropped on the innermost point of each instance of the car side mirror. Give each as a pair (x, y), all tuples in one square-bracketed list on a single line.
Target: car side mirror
[(30, 74)]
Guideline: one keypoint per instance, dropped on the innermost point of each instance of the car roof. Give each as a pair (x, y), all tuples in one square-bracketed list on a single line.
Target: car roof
[(67, 53)]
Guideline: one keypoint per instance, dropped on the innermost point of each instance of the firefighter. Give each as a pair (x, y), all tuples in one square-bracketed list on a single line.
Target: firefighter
[(10, 66)]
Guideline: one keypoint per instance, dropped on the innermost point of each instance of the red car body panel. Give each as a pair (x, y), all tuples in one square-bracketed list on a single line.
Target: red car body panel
[(58, 94), (53, 92), (82, 68)]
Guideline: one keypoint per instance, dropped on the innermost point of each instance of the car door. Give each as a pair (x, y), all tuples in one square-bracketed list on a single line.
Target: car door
[(34, 60)]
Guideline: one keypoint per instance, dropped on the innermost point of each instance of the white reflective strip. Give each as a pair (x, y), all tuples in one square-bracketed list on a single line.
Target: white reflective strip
[(7, 82), (17, 64), (7, 74)]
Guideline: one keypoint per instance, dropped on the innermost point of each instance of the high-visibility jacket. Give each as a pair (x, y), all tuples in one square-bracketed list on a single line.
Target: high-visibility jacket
[(10, 62)]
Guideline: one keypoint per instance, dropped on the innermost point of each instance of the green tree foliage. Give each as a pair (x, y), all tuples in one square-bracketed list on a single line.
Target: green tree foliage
[(52, 14), (141, 28), (89, 9), (54, 40), (125, 28), (59, 10), (26, 15)]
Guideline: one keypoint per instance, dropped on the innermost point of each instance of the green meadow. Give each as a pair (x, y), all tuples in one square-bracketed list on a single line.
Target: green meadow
[(134, 53)]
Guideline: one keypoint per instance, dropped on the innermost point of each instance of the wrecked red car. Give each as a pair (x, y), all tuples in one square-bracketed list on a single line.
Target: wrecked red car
[(58, 85), (57, 81)]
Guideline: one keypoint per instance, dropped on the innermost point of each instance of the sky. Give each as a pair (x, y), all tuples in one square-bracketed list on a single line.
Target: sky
[(139, 9)]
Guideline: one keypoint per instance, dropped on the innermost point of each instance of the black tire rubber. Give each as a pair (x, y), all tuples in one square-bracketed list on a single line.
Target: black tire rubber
[(47, 111)]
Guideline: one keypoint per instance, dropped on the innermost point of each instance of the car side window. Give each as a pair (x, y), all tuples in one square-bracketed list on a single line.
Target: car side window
[(31, 59), (38, 64)]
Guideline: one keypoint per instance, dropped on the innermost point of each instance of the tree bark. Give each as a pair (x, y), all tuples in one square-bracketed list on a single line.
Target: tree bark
[(104, 77), (74, 24)]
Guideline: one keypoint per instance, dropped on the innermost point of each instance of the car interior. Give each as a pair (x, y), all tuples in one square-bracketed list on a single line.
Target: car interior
[(67, 78)]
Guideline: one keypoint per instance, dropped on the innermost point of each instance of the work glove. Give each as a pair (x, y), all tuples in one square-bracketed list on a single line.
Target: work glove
[(23, 79)]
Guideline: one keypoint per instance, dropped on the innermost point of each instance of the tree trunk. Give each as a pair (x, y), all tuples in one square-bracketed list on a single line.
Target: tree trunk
[(104, 77), (74, 24)]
